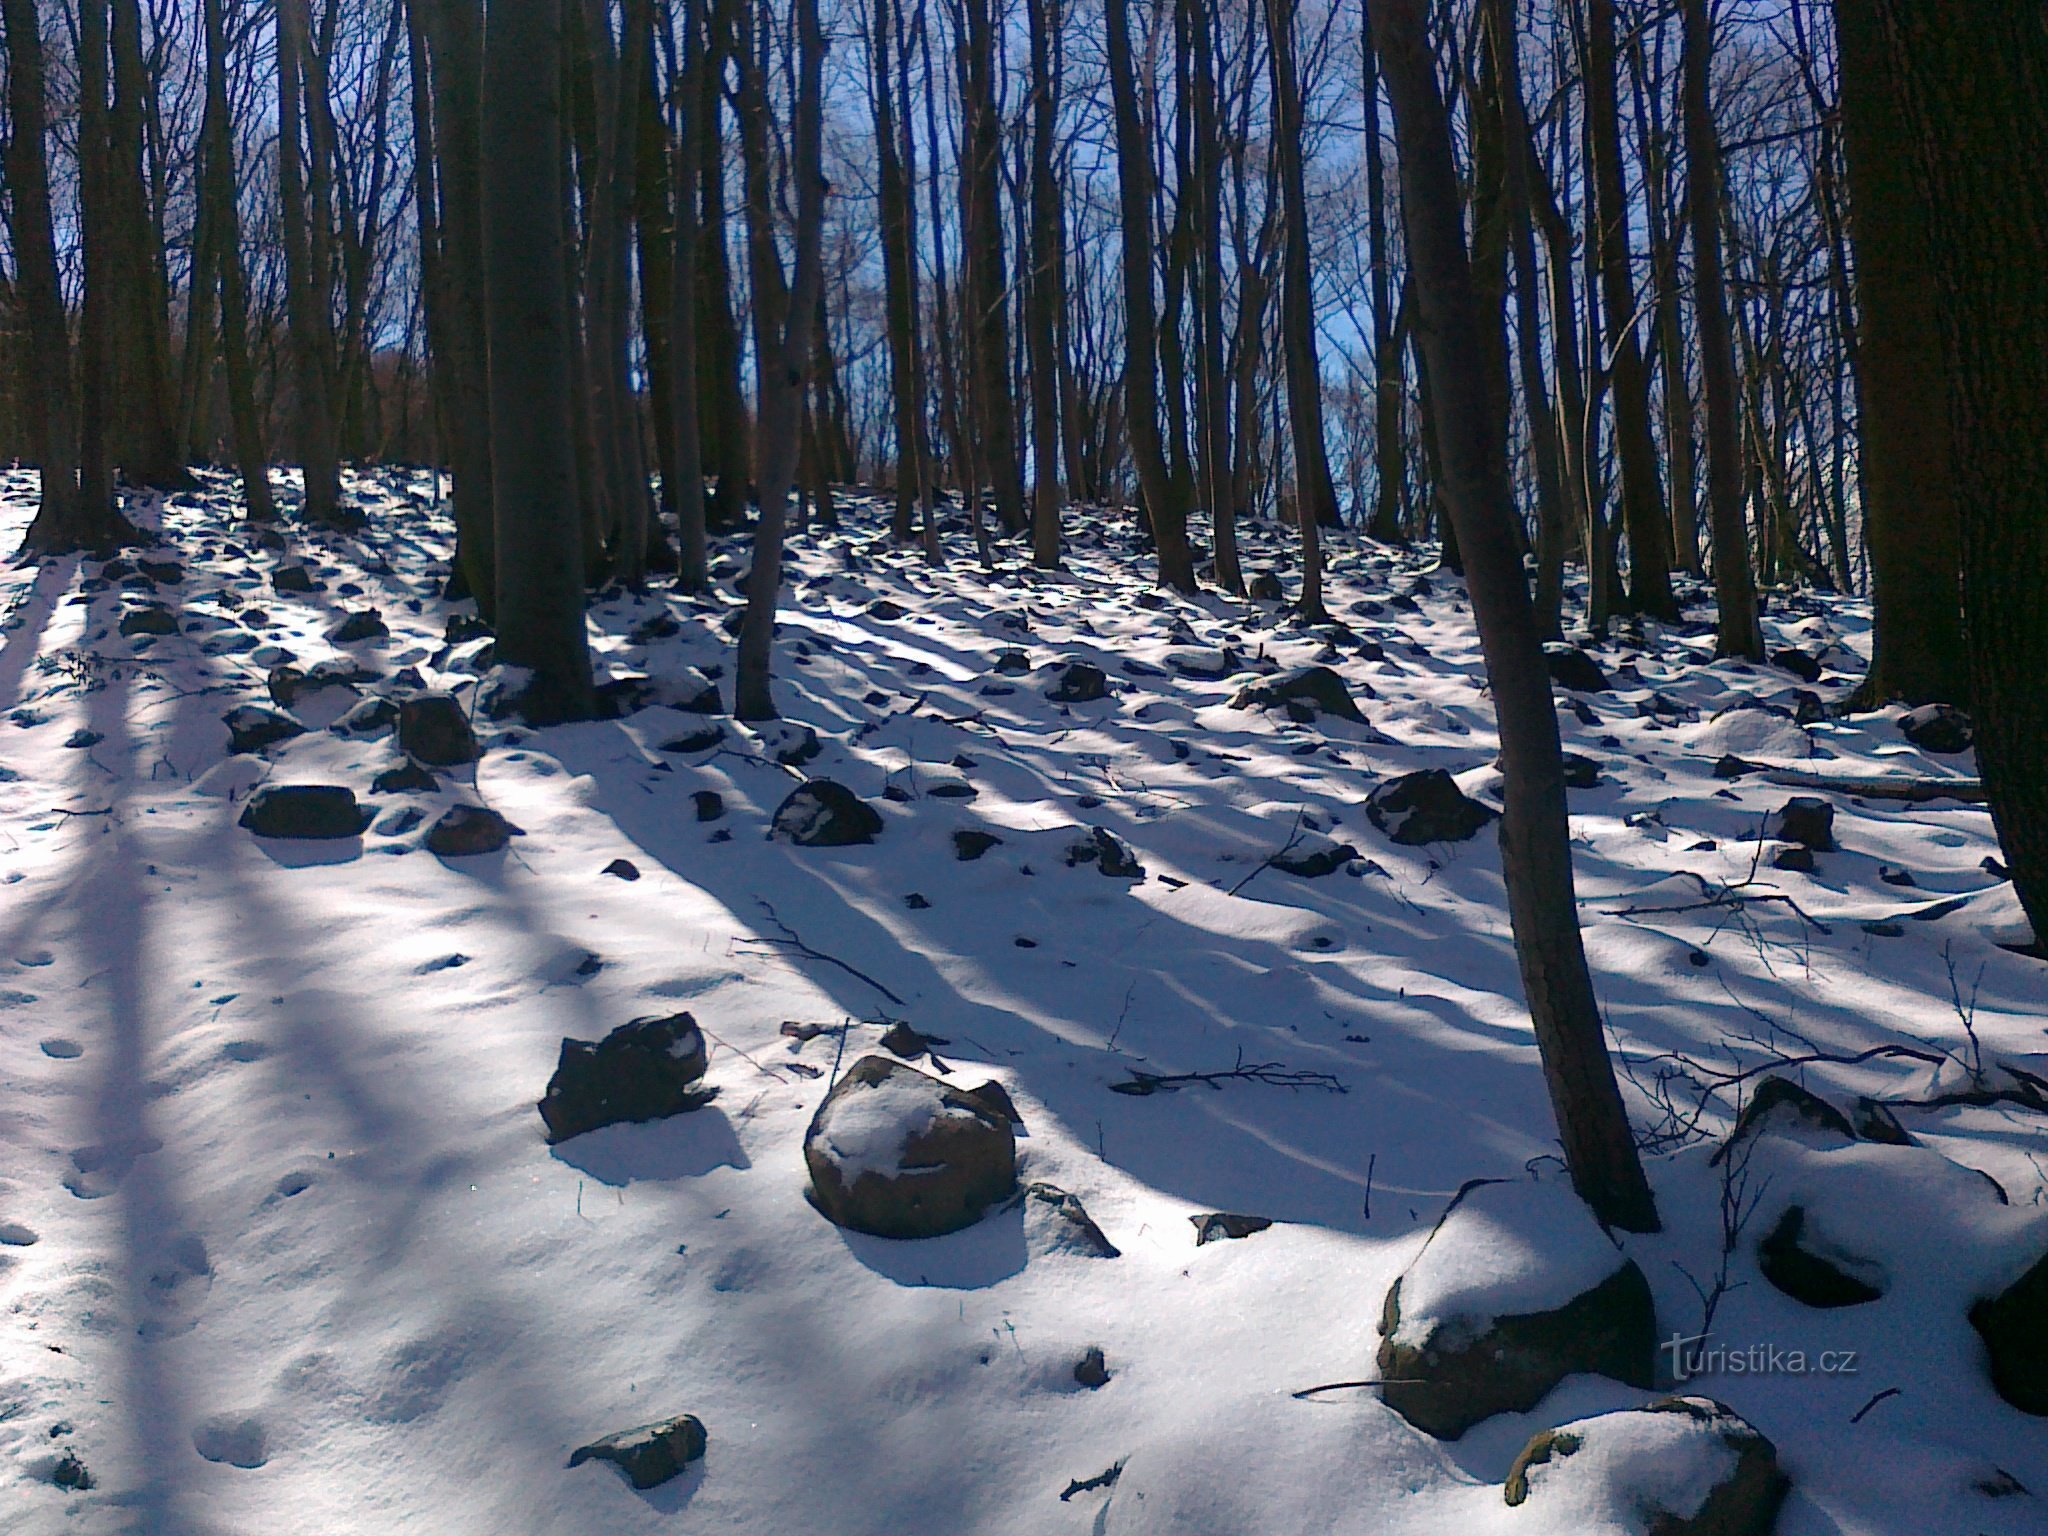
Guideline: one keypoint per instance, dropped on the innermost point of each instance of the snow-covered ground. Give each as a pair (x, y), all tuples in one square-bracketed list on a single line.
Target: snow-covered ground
[(282, 1246)]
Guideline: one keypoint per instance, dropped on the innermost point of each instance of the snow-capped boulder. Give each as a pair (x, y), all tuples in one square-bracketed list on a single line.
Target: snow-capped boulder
[(1782, 1107), (824, 814), (895, 1152), (469, 829), (1751, 728), (304, 811), (1687, 1466), (1322, 690), (1425, 807), (1517, 1288), (1057, 1222), (1077, 682), (652, 1454), (433, 729), (251, 728), (1938, 728), (2013, 1324), (1799, 1257), (646, 1069), (1107, 852)]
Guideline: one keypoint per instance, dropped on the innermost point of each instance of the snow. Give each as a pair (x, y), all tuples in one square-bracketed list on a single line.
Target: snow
[(866, 1129), (1627, 1464), (272, 1182), (1505, 1250)]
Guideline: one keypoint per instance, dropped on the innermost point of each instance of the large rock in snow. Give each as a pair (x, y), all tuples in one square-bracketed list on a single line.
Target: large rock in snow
[(2014, 1327), (643, 1070), (1425, 807), (464, 830), (652, 1454), (1938, 728), (304, 811), (1320, 688), (1687, 1466), (895, 1152), (1517, 1288), (1572, 669), (1078, 682), (251, 728), (433, 729), (824, 814)]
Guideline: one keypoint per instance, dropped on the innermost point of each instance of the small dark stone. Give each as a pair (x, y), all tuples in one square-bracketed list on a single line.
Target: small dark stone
[(304, 811), (1938, 728), (824, 814), (900, 1040), (1807, 821), (464, 830), (1802, 666), (1573, 669), (659, 627), (1798, 860), (643, 1070), (82, 738), (623, 869), (1078, 682), (251, 728), (152, 620), (650, 1455), (292, 578), (1092, 1369), (364, 624), (884, 609), (367, 717), (166, 573), (1107, 853), (407, 777), (1580, 771), (1265, 588), (1012, 663), (969, 844), (917, 902), (71, 1474), (1215, 1226), (1425, 807), (464, 627), (1312, 865), (1732, 767), (709, 804), (1058, 1221), (434, 729), (1317, 687)]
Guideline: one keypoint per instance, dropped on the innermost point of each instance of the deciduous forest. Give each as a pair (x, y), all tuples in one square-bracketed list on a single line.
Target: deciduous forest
[(1127, 767)]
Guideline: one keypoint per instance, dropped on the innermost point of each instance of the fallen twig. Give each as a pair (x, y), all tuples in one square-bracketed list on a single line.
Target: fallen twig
[(790, 937), (1271, 1073), (1103, 1479)]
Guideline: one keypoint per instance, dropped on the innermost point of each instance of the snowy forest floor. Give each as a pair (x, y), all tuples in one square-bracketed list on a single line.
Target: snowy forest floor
[(282, 1246)]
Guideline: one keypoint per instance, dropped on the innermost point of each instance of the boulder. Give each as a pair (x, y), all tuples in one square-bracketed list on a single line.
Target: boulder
[(1314, 857), (1425, 807), (2014, 1327), (1078, 682), (824, 814), (1517, 1288), (894, 1152), (1782, 1107), (251, 728), (1265, 588), (1806, 820), (1796, 1258), (1686, 1466), (433, 729), (1224, 1226), (1057, 1222), (1011, 663), (154, 619), (1799, 663), (1318, 687), (304, 810), (1571, 668), (643, 1070), (464, 830), (291, 578), (405, 778), (970, 843), (364, 624), (709, 804), (1580, 771), (1938, 728), (1208, 665), (650, 1455), (366, 717), (1107, 852)]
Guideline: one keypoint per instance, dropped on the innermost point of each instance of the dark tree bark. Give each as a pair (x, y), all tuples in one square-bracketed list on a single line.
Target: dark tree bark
[(1212, 381), (1734, 583), (65, 520), (785, 307), (1642, 494), (899, 275), (722, 409), (1041, 301), (1911, 519), (686, 494), (1390, 388), (309, 319), (1312, 484), (1535, 835), (1973, 82), (539, 546), (1168, 513), (987, 294)]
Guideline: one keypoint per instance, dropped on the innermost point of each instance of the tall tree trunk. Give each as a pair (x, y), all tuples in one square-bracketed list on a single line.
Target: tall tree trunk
[(539, 547), (686, 495), (252, 456), (1973, 82), (987, 293), (65, 520), (785, 308), (1312, 483), (1642, 495), (1167, 512), (1212, 382), (1912, 521), (1740, 633), (899, 274), (99, 375), (728, 435), (1535, 834), (1040, 296), (311, 325), (1390, 389)]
